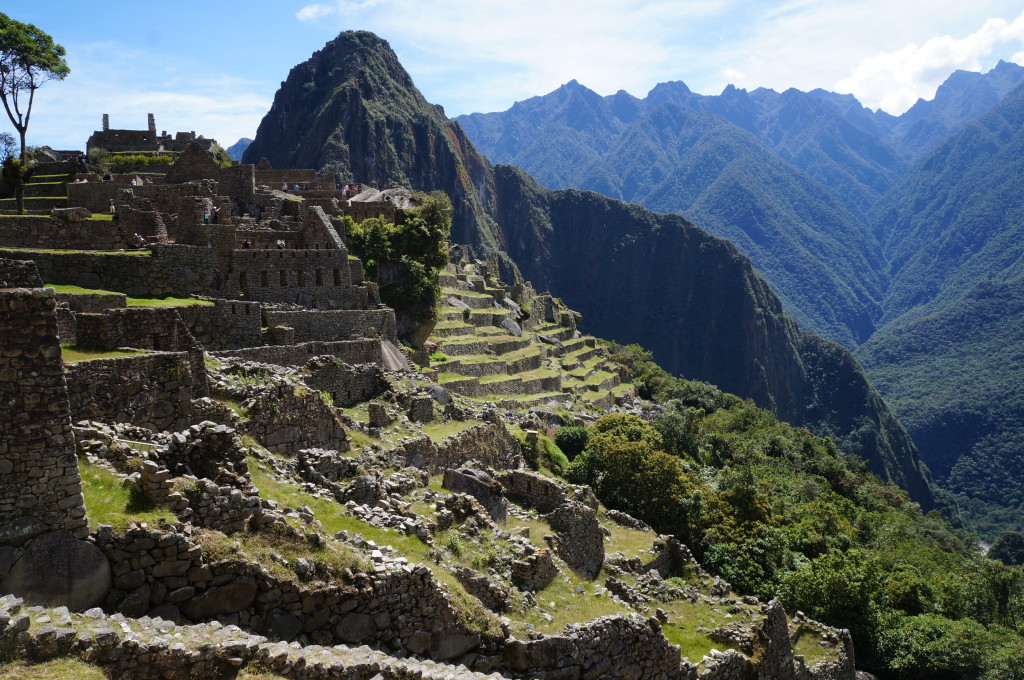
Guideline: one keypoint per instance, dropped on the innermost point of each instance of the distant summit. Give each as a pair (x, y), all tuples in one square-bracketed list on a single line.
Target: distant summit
[(236, 150)]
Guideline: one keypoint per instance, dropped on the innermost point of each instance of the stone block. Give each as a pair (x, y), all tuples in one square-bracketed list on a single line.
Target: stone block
[(58, 569)]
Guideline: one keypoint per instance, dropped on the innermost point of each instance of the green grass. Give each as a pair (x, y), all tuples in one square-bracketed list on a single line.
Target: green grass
[(625, 540), (692, 644), (72, 354), (109, 217), (330, 515), (109, 253), (807, 645), (565, 604), (78, 290), (168, 302), (439, 430), (108, 502), (57, 669), (131, 301)]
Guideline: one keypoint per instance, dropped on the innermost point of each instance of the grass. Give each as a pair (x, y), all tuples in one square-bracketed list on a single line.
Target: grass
[(692, 644), (627, 541), (565, 604), (78, 290), (73, 354), (108, 502), (56, 669), (278, 553), (131, 301), (439, 430), (538, 528), (807, 645), (168, 302), (333, 520), (111, 253)]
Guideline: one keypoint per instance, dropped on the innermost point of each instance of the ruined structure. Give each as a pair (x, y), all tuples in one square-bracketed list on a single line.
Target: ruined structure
[(144, 140), (279, 376)]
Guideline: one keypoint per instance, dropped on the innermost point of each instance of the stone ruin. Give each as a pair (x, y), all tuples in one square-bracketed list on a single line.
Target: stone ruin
[(292, 342)]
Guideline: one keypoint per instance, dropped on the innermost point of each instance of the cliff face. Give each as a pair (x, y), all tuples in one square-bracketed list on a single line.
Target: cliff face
[(696, 303), (658, 280)]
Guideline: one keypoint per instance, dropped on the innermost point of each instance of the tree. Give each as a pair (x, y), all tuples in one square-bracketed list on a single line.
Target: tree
[(28, 59)]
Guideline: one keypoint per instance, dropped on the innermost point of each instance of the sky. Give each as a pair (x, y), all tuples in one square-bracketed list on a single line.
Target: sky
[(214, 66)]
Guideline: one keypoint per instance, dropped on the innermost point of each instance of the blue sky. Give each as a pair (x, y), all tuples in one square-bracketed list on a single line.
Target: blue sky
[(214, 66)]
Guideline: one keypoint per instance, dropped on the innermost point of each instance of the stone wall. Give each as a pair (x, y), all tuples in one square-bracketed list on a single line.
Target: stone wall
[(286, 418), (152, 328), (20, 231), (570, 510), (489, 444), (227, 324), (150, 390), (40, 488), (396, 607), (342, 324), (194, 163), (348, 351), (347, 384), (92, 303), (306, 277)]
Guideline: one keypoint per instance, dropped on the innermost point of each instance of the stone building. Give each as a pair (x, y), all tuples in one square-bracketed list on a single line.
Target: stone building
[(144, 140)]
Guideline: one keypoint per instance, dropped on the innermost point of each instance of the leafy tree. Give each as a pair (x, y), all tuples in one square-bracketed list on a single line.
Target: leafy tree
[(28, 59), (7, 146), (572, 440), (1008, 548)]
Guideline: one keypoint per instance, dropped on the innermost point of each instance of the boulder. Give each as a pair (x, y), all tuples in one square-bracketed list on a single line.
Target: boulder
[(281, 625), (58, 569), (71, 214), (450, 646), (220, 600), (354, 627), (456, 302), (511, 327), (439, 394), (21, 529), (480, 486)]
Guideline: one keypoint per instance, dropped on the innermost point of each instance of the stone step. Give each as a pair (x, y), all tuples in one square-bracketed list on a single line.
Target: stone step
[(454, 349), (453, 331)]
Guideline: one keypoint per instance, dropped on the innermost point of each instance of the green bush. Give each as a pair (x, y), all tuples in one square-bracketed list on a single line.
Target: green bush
[(572, 440)]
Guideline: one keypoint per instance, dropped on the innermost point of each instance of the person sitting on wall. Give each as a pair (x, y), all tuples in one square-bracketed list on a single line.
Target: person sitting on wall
[(296, 188), (246, 244), (206, 218), (134, 183), (280, 244), (111, 207), (137, 241)]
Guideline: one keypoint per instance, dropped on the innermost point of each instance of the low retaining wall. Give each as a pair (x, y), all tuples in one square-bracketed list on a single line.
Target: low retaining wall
[(150, 390)]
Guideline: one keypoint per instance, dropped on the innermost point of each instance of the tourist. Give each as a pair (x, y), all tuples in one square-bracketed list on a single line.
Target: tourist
[(111, 207), (137, 241), (206, 218), (280, 244), (216, 215), (246, 244), (134, 183)]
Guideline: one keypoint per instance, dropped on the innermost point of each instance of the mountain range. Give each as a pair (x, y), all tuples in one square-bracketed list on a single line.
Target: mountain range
[(636, 276), (895, 236)]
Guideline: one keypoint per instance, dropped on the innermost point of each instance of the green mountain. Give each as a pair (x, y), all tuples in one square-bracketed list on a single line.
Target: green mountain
[(951, 356), (668, 155), (352, 108)]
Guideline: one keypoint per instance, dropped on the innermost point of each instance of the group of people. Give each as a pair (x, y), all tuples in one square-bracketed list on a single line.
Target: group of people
[(247, 244), (212, 217), (351, 190)]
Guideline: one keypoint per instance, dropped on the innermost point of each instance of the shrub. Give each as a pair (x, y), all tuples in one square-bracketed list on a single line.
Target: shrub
[(572, 440)]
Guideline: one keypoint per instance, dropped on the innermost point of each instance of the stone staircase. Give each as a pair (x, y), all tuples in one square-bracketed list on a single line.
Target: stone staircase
[(477, 357)]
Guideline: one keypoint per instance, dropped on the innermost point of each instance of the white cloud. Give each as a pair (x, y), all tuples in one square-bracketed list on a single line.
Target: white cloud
[(479, 55), (895, 80)]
